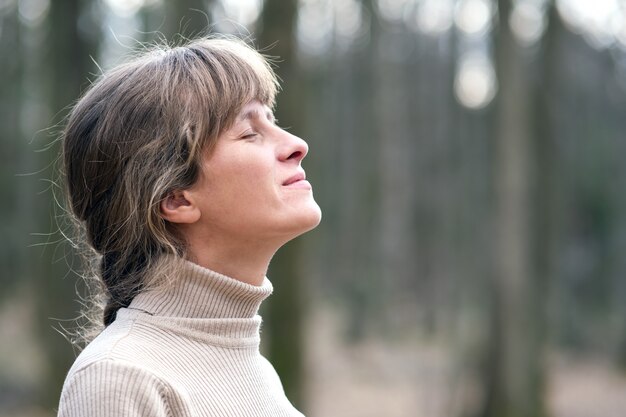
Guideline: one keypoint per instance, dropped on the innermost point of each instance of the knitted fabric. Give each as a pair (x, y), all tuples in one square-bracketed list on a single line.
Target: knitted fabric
[(190, 348)]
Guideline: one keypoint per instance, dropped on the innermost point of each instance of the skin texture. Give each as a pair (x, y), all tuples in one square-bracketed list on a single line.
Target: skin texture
[(250, 198)]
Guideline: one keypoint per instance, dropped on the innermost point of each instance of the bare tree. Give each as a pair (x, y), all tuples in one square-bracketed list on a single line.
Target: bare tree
[(284, 333), (514, 367), (68, 50)]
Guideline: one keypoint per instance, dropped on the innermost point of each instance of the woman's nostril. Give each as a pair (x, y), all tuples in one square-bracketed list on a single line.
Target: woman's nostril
[(295, 155)]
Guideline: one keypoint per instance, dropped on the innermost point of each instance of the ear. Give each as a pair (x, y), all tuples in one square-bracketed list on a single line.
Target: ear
[(178, 207)]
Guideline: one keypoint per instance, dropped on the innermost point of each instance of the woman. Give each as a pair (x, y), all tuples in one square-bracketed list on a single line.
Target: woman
[(186, 187)]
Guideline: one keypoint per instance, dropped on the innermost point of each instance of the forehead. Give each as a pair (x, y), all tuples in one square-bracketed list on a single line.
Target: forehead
[(254, 110)]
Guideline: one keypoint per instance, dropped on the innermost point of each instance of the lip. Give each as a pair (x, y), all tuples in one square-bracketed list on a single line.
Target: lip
[(297, 181)]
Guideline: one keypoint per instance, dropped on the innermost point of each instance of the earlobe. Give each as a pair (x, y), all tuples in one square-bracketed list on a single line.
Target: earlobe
[(178, 207)]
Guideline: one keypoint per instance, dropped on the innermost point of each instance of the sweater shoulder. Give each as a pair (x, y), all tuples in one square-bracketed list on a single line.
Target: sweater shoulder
[(109, 379), (119, 349), (108, 345), (107, 388)]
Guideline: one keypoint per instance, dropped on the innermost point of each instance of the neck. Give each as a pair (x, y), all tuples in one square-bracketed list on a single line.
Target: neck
[(244, 262), (188, 290)]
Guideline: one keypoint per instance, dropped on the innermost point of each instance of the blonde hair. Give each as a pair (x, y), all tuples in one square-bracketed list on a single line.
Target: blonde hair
[(138, 134)]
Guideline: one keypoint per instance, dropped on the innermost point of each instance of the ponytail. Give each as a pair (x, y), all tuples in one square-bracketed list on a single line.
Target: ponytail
[(122, 279)]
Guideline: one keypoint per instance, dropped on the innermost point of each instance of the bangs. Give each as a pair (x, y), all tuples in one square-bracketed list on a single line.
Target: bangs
[(220, 77), (243, 72)]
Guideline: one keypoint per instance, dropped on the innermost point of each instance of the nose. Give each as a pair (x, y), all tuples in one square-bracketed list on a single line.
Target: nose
[(294, 148)]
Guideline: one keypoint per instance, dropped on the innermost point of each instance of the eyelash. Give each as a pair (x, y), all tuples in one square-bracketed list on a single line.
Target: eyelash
[(250, 135)]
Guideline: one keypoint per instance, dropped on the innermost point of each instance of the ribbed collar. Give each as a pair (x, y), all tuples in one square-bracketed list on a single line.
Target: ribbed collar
[(197, 293)]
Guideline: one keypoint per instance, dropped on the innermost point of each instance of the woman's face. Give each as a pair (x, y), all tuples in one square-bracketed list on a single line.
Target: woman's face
[(252, 185)]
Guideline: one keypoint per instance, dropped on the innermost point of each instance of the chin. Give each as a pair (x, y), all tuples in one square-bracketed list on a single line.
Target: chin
[(305, 220), (315, 213), (313, 219)]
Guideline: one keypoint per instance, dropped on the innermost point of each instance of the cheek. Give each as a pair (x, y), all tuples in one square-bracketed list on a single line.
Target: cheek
[(246, 171), (246, 181)]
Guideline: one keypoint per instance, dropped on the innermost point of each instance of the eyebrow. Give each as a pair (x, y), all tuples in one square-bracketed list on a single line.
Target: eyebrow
[(255, 114)]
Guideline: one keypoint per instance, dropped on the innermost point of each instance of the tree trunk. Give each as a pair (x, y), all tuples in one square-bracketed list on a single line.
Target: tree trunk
[(190, 18), (175, 20), (515, 366), (12, 154), (67, 51), (284, 311)]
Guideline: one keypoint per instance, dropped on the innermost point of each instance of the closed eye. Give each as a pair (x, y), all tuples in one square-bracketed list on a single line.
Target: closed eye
[(249, 135)]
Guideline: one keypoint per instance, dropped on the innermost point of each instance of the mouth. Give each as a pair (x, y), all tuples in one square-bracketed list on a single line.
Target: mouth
[(297, 181), (300, 176)]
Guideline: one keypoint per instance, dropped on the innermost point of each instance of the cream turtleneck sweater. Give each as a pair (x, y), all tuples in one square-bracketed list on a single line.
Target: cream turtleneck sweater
[(188, 349)]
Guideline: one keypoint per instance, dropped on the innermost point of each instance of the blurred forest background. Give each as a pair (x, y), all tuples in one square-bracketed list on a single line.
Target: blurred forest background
[(468, 156)]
